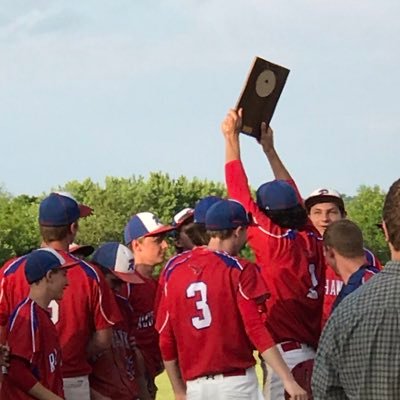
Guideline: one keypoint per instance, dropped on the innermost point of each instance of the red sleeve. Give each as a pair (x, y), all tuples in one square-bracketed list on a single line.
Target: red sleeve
[(22, 336), (238, 186), (20, 374), (251, 283), (166, 336), (253, 324), (4, 306), (105, 309)]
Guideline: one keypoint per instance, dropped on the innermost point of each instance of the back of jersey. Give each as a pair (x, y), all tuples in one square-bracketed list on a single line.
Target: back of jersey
[(200, 295)]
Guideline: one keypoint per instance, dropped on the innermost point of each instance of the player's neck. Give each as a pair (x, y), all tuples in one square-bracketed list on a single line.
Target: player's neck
[(40, 296), (228, 246), (348, 266), (57, 244), (145, 270)]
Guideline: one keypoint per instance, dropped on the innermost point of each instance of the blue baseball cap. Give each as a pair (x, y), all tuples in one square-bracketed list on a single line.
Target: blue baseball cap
[(61, 209), (202, 206), (144, 224), (226, 214), (118, 259), (276, 195), (41, 261)]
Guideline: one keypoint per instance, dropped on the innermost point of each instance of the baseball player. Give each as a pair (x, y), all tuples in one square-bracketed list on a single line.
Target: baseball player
[(115, 373), (181, 222), (35, 365), (209, 320), (85, 315), (325, 206), (145, 235), (344, 253), (286, 249), (194, 234)]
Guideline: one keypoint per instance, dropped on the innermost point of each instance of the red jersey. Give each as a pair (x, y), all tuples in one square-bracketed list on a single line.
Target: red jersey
[(141, 297), (113, 372), (33, 338), (201, 319), (334, 283), (291, 264), (88, 305)]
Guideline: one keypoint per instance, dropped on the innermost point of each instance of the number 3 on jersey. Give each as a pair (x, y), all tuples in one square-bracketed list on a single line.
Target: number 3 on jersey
[(200, 288)]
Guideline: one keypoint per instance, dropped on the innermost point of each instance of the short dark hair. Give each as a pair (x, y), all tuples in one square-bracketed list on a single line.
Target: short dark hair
[(222, 235), (291, 218), (391, 214), (54, 233), (345, 237)]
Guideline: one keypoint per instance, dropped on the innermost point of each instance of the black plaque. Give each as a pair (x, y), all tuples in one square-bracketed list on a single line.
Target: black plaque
[(260, 95)]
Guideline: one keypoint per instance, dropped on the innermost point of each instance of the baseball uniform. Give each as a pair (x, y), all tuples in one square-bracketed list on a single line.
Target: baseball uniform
[(35, 353), (113, 372), (292, 266), (207, 321)]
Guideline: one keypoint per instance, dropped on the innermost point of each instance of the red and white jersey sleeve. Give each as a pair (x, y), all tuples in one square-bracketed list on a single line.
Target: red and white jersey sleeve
[(13, 287)]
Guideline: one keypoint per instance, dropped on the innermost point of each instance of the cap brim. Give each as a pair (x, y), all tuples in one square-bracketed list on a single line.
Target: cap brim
[(85, 210), (86, 250), (161, 230), (129, 277)]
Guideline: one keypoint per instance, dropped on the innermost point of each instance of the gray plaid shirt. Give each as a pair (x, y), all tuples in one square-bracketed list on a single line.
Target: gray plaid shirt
[(358, 356)]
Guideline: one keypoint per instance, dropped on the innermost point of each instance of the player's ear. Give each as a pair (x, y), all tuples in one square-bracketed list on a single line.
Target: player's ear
[(49, 275), (135, 245), (328, 252), (74, 228), (385, 231)]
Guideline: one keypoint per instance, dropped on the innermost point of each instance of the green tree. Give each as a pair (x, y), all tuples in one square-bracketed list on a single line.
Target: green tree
[(366, 210)]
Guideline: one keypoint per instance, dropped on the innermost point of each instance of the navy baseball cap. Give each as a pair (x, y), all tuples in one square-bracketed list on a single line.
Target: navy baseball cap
[(41, 261), (202, 206), (276, 195), (118, 259), (60, 209), (226, 214), (144, 224)]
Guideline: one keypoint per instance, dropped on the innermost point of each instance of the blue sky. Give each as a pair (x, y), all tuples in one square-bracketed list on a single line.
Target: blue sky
[(101, 88)]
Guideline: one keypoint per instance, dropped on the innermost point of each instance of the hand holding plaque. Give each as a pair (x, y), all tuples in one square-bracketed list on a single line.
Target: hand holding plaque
[(260, 95)]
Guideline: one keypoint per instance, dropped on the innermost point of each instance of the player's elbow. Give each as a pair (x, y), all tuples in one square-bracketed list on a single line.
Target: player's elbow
[(101, 341)]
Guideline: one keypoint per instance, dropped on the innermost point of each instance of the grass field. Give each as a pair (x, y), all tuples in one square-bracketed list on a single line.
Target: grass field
[(164, 387)]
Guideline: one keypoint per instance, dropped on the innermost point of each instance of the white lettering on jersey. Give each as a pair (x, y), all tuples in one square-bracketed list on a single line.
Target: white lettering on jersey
[(333, 287), (146, 320), (53, 360)]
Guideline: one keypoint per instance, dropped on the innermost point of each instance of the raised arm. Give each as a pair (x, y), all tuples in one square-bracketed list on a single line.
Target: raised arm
[(231, 128), (267, 143), (235, 176)]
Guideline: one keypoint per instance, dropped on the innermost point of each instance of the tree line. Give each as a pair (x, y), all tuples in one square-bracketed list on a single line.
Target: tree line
[(119, 198)]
